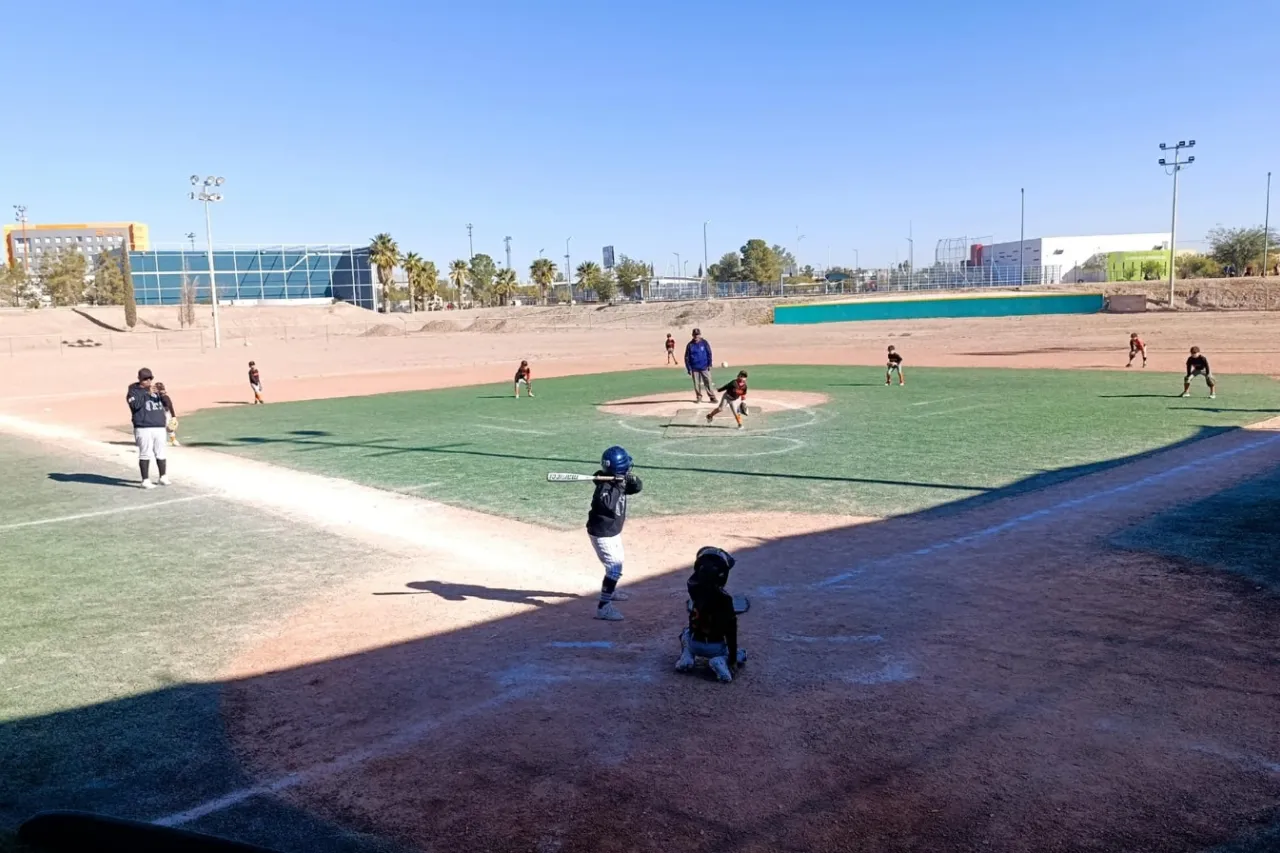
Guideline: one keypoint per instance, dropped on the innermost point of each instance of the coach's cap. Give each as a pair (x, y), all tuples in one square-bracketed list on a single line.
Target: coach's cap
[(145, 374), (697, 331)]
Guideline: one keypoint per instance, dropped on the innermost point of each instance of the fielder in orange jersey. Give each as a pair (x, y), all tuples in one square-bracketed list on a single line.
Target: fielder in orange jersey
[(734, 392), (524, 376), (255, 382), (1136, 346)]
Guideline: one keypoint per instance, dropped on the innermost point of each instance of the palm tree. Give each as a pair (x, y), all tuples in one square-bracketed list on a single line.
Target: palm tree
[(458, 271), (384, 254), (430, 286), (504, 286), (414, 267), (543, 273), (588, 274)]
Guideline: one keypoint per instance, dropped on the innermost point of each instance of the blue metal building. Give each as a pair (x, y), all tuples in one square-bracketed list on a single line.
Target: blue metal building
[(257, 275)]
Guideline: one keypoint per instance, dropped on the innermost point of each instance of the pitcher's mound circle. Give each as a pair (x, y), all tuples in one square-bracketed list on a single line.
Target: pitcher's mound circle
[(667, 405)]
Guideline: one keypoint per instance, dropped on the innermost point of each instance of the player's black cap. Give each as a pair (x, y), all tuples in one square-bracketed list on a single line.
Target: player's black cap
[(145, 374), (697, 331)]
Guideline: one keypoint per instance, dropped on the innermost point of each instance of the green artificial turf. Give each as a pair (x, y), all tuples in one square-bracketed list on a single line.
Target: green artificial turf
[(948, 435)]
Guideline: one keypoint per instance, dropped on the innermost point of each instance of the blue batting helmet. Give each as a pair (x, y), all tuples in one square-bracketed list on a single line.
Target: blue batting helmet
[(616, 461)]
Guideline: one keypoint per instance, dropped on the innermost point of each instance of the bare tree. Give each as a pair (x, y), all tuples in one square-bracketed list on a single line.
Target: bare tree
[(187, 303)]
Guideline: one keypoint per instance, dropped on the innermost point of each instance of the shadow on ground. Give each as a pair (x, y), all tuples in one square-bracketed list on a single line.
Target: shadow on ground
[(945, 705)]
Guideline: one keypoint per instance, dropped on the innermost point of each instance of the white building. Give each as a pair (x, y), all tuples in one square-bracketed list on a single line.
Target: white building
[(1065, 255)]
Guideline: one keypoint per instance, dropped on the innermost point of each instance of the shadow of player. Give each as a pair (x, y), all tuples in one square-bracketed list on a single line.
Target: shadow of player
[(93, 479), (463, 591)]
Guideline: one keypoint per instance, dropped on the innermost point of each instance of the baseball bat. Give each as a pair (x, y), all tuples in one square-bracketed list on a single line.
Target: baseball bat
[(577, 478)]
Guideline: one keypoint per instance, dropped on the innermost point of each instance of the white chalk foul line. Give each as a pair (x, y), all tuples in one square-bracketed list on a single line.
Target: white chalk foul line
[(512, 429), (98, 514), (517, 683), (1056, 509)]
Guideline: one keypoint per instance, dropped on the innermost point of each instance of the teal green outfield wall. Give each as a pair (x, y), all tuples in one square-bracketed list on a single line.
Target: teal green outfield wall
[(947, 306)]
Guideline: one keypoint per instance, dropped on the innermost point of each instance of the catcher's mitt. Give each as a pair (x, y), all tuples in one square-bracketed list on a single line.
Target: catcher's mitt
[(172, 425)]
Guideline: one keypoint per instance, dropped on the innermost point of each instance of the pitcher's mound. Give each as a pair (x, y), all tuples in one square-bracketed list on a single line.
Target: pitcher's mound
[(666, 405)]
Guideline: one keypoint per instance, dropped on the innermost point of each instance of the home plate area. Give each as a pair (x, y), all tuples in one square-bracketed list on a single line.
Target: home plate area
[(686, 423)]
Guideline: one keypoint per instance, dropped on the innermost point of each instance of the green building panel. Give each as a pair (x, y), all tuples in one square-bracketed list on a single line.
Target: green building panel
[(955, 306)]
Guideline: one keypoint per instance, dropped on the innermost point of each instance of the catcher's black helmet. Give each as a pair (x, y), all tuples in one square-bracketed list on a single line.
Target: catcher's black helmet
[(712, 565)]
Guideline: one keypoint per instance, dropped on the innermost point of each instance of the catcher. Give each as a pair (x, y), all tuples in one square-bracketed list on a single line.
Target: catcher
[(171, 424), (712, 634)]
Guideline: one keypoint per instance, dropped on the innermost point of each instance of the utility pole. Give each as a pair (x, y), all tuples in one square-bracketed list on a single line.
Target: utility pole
[(206, 197), (471, 246), (507, 240), (191, 235), (1022, 238), (1266, 229), (1177, 166), (568, 268)]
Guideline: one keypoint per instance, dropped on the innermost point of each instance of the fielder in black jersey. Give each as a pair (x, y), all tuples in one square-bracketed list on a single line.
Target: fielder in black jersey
[(1198, 365), (894, 365)]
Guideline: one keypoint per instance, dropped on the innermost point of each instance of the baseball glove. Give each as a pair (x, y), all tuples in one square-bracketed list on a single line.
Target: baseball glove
[(172, 425)]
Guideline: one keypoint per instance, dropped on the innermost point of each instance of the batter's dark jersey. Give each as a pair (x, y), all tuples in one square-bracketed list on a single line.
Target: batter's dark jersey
[(525, 373), (1198, 362), (254, 378), (894, 358), (608, 511)]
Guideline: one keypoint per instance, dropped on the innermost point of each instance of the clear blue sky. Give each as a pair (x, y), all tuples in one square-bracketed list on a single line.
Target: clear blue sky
[(631, 123)]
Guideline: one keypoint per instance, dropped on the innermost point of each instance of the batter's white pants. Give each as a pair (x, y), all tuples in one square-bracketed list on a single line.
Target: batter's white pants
[(609, 550)]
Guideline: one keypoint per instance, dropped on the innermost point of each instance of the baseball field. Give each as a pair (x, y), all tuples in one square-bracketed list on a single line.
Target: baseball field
[(1029, 601)]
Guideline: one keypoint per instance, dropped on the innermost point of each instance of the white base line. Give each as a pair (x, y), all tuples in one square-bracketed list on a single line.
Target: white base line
[(1057, 508), (102, 512)]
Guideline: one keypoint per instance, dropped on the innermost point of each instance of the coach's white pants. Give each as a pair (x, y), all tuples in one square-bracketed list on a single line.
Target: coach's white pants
[(609, 550), (151, 442)]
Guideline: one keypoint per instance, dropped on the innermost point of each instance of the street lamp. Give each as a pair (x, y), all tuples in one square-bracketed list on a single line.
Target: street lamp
[(1177, 166), (205, 195), (20, 216)]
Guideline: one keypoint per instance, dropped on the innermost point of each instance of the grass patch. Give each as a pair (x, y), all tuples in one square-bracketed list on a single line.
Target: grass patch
[(875, 451)]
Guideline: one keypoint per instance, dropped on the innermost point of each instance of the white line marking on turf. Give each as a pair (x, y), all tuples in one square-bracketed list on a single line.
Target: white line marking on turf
[(931, 402), (512, 429), (417, 487), (82, 515), (933, 413)]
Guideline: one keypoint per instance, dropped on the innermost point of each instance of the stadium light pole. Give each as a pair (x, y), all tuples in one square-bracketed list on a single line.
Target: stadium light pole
[(1177, 166), (1266, 228), (471, 246), (677, 254), (568, 266), (20, 215), (705, 263), (206, 197), (507, 242), (1022, 237), (191, 235)]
